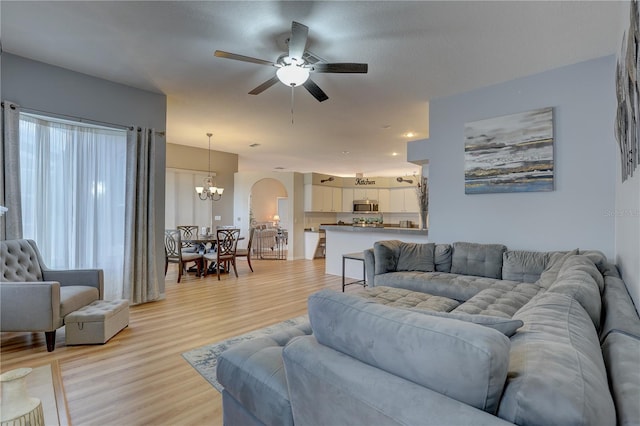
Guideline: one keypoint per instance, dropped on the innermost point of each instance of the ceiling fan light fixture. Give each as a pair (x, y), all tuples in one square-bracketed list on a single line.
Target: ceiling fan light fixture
[(292, 75)]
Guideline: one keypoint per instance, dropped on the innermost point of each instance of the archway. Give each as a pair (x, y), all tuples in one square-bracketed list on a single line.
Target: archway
[(264, 199), (268, 204)]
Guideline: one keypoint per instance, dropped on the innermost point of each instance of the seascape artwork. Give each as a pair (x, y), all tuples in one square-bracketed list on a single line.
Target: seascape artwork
[(512, 153)]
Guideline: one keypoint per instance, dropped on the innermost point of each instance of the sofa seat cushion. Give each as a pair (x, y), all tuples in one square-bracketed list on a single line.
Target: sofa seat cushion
[(453, 286), (74, 297), (503, 299), (464, 361), (401, 298), (556, 371), (483, 260), (252, 372)]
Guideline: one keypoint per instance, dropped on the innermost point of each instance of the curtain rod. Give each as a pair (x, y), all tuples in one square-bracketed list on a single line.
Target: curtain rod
[(80, 119)]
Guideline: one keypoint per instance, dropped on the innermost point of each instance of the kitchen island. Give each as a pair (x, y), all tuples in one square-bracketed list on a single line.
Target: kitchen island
[(342, 239)]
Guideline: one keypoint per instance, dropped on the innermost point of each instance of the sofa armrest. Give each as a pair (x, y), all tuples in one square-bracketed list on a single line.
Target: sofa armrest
[(621, 353), (30, 306), (369, 267), (329, 387), (77, 277)]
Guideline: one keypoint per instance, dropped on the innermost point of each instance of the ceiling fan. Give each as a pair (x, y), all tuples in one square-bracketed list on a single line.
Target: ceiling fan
[(293, 69)]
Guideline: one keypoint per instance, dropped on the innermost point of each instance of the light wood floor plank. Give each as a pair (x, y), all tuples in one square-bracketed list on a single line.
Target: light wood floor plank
[(139, 377)]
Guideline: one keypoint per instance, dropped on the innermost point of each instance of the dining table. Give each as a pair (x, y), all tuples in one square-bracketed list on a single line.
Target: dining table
[(201, 241)]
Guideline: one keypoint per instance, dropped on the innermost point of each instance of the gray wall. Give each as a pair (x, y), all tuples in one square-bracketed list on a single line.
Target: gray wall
[(39, 86), (574, 215), (627, 217)]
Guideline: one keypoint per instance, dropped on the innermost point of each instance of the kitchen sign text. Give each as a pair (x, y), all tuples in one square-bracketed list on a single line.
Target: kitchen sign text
[(361, 181)]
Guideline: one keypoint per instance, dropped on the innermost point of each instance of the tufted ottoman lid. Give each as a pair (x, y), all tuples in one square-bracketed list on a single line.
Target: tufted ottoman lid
[(98, 310)]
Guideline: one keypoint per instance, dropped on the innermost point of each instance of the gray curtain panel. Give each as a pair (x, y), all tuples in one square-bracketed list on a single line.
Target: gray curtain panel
[(141, 279), (11, 222)]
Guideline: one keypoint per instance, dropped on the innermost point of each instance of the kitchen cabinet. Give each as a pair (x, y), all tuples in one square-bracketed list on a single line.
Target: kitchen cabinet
[(365, 194), (383, 200), (347, 200), (314, 244), (403, 200), (322, 198)]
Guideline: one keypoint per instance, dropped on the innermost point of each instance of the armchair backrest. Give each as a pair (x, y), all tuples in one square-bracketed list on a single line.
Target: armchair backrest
[(21, 261)]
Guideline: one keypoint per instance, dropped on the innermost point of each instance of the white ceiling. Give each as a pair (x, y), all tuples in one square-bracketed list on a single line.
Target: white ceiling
[(416, 51)]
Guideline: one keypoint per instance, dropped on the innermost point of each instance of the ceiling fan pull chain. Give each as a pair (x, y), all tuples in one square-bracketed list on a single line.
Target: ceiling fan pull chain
[(292, 87)]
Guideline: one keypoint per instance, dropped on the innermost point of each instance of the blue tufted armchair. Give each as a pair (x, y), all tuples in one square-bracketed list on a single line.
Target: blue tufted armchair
[(35, 298)]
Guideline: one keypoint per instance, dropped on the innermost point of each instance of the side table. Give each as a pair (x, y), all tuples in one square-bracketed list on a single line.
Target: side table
[(354, 256)]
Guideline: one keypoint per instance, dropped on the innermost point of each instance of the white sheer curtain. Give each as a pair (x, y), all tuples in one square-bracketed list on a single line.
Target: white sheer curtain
[(73, 195)]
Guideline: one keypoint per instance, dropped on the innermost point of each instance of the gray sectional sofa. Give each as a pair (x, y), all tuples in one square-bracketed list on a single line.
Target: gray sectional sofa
[(460, 334)]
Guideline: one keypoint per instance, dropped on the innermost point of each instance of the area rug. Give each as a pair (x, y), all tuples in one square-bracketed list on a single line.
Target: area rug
[(205, 359)]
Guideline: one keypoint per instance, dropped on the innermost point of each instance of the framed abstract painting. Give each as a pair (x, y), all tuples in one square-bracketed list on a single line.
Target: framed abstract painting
[(511, 153)]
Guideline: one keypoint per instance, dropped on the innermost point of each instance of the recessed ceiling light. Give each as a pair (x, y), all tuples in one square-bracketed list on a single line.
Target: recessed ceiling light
[(395, 154), (279, 168), (409, 134), (346, 152), (253, 145)]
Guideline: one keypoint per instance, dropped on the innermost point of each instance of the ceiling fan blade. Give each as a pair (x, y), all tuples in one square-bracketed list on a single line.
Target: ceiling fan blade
[(340, 68), (298, 40), (315, 90), (223, 54), (264, 86)]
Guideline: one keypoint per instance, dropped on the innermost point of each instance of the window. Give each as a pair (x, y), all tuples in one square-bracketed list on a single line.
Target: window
[(73, 195), (182, 204)]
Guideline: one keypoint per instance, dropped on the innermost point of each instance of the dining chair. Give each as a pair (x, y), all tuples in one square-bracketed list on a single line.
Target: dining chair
[(247, 252), (174, 253), (187, 233), (226, 246)]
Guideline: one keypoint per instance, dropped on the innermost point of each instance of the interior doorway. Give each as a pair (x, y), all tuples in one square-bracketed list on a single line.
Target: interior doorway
[(263, 201), (269, 213), (283, 212)]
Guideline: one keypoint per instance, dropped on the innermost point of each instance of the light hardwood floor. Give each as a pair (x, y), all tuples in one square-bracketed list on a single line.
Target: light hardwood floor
[(139, 377)]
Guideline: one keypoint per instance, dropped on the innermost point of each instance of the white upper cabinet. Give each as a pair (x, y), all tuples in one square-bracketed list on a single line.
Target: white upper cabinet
[(365, 194), (347, 200), (322, 198), (403, 200), (383, 200)]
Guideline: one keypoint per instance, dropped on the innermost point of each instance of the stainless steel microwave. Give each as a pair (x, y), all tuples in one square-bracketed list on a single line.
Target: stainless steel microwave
[(360, 206)]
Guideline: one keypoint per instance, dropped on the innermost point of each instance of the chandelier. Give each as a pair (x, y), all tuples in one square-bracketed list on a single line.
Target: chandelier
[(209, 191)]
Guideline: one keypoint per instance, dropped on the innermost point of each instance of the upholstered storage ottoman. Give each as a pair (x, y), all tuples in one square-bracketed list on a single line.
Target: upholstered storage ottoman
[(97, 322)]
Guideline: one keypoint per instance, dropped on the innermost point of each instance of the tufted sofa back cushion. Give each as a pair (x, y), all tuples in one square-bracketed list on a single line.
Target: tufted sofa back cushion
[(20, 261), (480, 260)]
